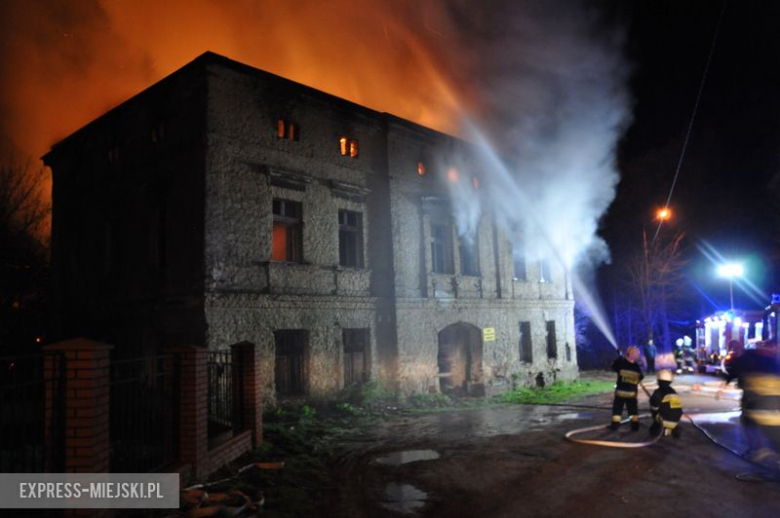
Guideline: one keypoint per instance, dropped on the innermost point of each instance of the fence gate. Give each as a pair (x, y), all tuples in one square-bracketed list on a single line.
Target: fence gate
[(143, 414), (225, 394)]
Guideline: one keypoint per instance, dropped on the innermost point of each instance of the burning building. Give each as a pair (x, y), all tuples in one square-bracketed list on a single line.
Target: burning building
[(226, 204)]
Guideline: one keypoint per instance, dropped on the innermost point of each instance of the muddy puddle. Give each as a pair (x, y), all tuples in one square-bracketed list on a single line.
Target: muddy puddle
[(397, 458), (716, 417), (480, 423), (404, 498)]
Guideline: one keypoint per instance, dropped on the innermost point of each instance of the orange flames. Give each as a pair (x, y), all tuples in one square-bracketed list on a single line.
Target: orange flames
[(72, 60), (68, 61)]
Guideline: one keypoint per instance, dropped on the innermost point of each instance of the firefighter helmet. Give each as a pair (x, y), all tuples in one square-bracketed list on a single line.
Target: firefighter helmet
[(664, 375)]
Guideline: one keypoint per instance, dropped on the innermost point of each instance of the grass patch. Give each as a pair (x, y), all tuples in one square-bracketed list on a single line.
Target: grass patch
[(556, 393), (368, 396)]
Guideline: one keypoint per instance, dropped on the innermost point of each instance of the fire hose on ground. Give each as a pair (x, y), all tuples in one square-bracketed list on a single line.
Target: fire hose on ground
[(611, 444), (617, 444)]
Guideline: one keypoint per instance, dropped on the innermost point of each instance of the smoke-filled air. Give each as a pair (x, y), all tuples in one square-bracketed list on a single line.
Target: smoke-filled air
[(539, 84)]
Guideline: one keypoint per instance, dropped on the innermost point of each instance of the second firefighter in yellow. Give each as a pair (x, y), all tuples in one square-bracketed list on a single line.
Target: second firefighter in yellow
[(666, 406)]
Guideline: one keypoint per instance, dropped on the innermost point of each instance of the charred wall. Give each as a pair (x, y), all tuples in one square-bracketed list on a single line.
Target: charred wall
[(254, 296), (428, 301), (224, 159)]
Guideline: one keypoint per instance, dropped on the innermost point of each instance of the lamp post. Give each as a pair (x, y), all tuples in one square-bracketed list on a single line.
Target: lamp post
[(730, 271)]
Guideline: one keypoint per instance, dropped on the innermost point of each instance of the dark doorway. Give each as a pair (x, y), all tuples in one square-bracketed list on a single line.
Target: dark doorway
[(460, 360), (552, 340), (355, 356)]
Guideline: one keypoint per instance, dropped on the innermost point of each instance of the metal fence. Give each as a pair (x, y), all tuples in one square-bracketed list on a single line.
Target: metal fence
[(225, 396), (144, 414), (31, 439)]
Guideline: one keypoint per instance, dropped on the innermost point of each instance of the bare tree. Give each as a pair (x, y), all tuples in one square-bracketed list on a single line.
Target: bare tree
[(23, 255), (655, 277), (23, 209), (626, 318)]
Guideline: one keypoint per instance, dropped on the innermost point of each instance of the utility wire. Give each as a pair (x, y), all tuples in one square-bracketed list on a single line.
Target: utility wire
[(693, 115)]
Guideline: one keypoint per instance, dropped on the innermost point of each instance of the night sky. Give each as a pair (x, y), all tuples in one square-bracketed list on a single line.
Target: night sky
[(726, 193)]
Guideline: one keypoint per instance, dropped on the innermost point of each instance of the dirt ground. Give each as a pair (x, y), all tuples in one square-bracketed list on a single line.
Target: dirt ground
[(514, 461)]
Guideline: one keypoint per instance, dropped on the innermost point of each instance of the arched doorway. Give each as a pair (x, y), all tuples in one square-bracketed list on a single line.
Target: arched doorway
[(460, 360)]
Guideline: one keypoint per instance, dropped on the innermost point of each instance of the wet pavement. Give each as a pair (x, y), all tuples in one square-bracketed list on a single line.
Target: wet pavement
[(513, 461)]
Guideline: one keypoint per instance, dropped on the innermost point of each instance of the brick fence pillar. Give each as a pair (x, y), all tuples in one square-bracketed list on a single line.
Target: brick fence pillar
[(193, 409), (253, 406), (86, 410)]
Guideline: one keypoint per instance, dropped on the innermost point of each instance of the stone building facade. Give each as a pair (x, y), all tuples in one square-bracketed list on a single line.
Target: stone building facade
[(225, 204)]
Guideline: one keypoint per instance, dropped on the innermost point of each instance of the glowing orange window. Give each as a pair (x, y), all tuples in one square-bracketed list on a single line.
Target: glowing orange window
[(287, 235), (348, 147), (286, 130)]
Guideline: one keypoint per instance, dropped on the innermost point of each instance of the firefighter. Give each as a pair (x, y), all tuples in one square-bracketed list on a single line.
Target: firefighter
[(758, 375), (679, 355), (665, 406), (690, 354), (629, 374)]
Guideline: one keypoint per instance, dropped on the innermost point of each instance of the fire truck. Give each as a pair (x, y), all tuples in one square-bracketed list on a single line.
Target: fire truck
[(715, 332)]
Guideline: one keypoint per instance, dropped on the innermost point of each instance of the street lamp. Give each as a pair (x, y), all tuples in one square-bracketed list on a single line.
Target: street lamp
[(729, 271), (663, 214)]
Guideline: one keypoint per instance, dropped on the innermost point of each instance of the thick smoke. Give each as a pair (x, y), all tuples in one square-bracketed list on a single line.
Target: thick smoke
[(542, 82), (553, 104)]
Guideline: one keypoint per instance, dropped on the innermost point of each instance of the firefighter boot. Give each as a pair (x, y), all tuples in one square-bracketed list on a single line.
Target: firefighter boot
[(615, 424), (634, 423)]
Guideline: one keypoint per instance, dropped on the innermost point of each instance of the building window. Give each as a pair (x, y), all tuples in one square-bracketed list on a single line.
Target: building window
[(518, 262), (469, 259), (348, 147), (441, 248), (520, 272), (526, 351), (544, 271), (350, 239), (286, 130), (158, 133), (158, 238), (287, 231), (289, 367), (113, 155), (355, 356), (552, 344), (109, 247)]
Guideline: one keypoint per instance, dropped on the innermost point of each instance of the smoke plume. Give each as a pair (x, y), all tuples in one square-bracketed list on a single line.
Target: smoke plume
[(551, 88)]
